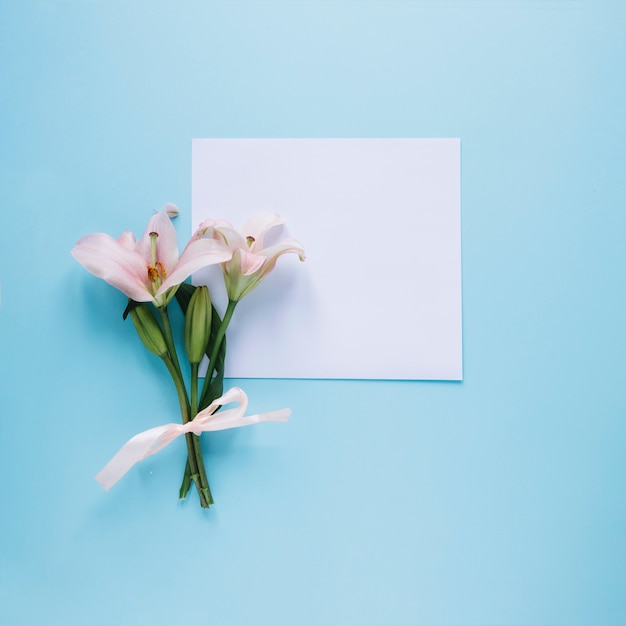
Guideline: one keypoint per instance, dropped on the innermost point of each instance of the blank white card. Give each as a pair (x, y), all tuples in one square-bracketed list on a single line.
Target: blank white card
[(379, 295)]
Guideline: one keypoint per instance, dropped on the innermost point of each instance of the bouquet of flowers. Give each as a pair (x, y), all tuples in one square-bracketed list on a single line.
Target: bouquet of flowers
[(152, 274)]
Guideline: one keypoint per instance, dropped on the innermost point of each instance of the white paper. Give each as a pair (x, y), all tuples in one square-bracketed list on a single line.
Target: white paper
[(379, 295)]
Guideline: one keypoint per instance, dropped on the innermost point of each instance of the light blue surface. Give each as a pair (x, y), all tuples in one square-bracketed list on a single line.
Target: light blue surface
[(497, 501)]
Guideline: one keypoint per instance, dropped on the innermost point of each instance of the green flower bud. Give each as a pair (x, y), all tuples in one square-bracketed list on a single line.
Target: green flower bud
[(198, 324), (148, 329)]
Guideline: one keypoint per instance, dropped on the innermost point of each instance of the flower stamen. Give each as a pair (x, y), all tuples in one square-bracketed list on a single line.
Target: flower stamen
[(153, 274), (153, 251), (156, 270)]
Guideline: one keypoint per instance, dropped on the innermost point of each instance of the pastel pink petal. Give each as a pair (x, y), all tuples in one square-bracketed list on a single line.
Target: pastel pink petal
[(167, 244), (272, 254), (232, 238), (127, 239), (110, 260), (259, 225), (286, 245), (198, 253), (249, 262), (207, 227)]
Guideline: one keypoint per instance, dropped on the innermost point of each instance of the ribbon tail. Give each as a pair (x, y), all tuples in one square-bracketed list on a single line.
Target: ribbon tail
[(232, 418), (134, 450)]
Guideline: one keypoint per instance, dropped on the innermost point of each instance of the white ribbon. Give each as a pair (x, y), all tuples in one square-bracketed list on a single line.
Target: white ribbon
[(154, 439)]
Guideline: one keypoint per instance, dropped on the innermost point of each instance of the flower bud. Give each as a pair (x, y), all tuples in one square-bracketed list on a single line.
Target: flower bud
[(198, 324), (148, 329)]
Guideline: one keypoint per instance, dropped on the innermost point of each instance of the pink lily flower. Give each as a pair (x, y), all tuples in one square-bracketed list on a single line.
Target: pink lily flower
[(150, 269), (250, 261)]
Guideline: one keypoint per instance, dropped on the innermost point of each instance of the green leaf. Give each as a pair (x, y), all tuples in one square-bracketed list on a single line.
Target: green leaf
[(216, 322), (129, 307), (216, 387), (183, 295)]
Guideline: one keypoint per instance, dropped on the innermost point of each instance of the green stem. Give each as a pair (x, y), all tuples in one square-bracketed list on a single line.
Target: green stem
[(197, 471), (194, 472), (169, 339), (221, 331), (219, 337), (197, 445), (186, 484), (194, 389)]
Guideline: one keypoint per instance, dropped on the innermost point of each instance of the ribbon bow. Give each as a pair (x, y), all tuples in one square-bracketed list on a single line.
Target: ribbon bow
[(154, 439)]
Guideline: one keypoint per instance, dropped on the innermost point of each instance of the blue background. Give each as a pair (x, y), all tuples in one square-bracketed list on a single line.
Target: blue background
[(496, 501)]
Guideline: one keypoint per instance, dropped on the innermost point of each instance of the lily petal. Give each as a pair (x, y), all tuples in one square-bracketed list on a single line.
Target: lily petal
[(259, 225), (107, 258), (171, 210), (127, 239), (166, 243), (206, 228), (249, 263), (197, 254), (231, 237), (286, 245)]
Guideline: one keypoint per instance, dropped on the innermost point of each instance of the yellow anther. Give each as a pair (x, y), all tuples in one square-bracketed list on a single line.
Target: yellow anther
[(153, 274)]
